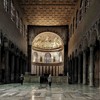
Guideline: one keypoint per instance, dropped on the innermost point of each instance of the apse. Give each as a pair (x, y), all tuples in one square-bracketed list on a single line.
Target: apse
[(47, 54)]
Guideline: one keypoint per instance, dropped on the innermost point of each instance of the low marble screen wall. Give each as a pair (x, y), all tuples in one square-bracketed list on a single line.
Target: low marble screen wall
[(36, 79)]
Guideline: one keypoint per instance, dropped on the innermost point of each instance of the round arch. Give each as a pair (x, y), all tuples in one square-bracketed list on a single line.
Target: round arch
[(48, 41), (50, 49)]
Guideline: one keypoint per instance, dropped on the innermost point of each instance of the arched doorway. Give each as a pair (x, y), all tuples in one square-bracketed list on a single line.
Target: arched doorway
[(47, 54)]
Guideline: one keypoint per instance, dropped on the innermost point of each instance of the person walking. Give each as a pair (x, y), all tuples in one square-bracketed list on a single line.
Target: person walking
[(21, 79), (50, 80)]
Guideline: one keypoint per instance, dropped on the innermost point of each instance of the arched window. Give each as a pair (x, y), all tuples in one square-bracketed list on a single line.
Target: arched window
[(40, 59), (47, 58), (81, 3), (13, 12), (60, 57), (6, 5), (21, 26), (80, 14), (86, 5), (81, 10), (54, 59), (35, 57), (17, 19)]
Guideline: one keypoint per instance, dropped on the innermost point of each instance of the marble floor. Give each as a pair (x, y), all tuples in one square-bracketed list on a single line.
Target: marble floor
[(29, 91)]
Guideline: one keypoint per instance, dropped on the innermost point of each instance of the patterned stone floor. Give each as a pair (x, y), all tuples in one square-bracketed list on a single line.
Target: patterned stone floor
[(56, 92)]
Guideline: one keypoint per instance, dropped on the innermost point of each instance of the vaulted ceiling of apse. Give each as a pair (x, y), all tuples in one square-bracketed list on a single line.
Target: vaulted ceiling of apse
[(47, 41)]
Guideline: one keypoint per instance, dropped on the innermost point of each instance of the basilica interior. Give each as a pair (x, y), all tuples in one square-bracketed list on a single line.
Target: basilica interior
[(57, 37)]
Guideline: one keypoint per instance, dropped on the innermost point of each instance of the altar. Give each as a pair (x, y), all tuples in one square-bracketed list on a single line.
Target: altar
[(36, 79)]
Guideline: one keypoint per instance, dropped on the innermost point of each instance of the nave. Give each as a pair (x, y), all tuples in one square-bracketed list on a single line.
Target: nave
[(56, 92)]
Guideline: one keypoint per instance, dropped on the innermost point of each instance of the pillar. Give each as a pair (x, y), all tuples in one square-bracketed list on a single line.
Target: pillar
[(91, 67), (75, 69), (65, 58), (7, 66), (29, 59), (72, 70), (29, 47), (23, 65), (84, 67), (99, 64), (81, 69), (69, 71), (1, 55), (12, 69), (79, 63), (0, 64), (20, 65), (17, 67)]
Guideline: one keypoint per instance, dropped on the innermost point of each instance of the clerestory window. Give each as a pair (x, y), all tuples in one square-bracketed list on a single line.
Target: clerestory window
[(6, 5), (13, 12)]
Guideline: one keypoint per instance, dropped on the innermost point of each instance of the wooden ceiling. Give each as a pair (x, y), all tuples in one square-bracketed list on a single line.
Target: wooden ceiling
[(48, 12)]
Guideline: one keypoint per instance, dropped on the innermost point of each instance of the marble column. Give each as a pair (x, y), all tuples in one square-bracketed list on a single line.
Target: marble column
[(75, 69), (99, 64), (0, 64), (72, 70), (7, 66), (91, 67), (29, 48), (12, 69), (20, 64), (99, 68), (29, 59), (54, 70), (17, 68), (65, 58), (84, 67), (23, 66), (79, 63), (69, 70)]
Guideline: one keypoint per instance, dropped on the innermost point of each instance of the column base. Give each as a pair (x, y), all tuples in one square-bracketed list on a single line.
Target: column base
[(91, 79), (91, 85), (84, 82), (27, 73)]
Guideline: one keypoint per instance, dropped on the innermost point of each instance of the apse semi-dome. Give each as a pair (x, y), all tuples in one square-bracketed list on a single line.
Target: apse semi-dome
[(47, 41)]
